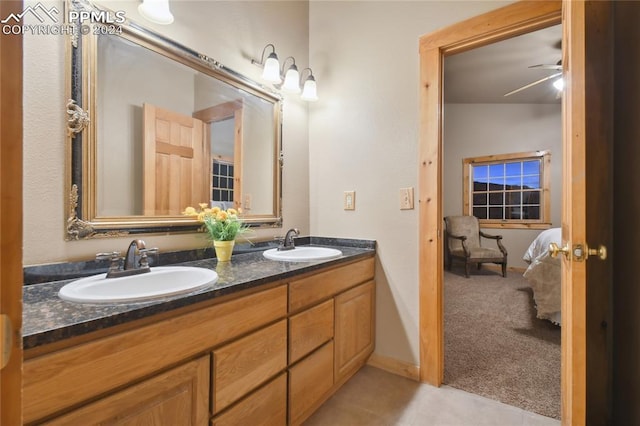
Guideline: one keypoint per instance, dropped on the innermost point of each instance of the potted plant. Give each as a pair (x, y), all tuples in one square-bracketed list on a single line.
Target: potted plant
[(222, 227)]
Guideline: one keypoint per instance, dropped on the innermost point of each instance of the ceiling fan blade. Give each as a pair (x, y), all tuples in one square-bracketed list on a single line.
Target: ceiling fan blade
[(547, 66), (549, 77)]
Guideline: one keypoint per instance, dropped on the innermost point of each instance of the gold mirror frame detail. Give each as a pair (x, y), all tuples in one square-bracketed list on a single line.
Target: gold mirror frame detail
[(78, 119), (83, 218), (79, 229)]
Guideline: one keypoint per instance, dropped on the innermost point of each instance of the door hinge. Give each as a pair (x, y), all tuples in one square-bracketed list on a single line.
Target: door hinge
[(6, 340)]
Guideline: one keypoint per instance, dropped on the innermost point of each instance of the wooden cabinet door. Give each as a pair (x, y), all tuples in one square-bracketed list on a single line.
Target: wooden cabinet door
[(244, 365), (178, 397), (354, 328), (267, 407), (310, 382)]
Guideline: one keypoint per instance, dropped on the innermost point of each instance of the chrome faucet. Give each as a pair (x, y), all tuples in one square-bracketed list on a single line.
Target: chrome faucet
[(130, 264), (287, 243)]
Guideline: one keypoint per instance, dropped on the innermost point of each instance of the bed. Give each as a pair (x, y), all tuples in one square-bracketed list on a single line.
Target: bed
[(543, 274)]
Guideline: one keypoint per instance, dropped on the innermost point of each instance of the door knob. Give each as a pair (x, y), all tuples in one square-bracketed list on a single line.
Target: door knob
[(601, 252), (554, 250)]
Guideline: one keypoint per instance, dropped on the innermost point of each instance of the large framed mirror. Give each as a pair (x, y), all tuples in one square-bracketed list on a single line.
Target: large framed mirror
[(155, 127)]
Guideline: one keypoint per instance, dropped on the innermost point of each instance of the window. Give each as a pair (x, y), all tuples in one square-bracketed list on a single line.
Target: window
[(222, 181), (509, 190)]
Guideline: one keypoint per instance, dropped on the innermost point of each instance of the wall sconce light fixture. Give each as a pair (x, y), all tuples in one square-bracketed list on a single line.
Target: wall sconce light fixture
[(271, 66), (291, 77), (272, 73), (156, 11), (309, 89)]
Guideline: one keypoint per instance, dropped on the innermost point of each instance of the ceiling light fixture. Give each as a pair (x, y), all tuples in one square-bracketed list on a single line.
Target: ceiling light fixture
[(559, 84), (156, 11), (272, 73)]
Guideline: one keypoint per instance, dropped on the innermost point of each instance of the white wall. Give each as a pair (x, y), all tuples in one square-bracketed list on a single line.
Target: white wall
[(363, 136), (475, 130), (230, 32)]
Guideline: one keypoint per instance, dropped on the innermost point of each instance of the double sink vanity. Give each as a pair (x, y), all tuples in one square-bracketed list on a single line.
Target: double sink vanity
[(267, 342)]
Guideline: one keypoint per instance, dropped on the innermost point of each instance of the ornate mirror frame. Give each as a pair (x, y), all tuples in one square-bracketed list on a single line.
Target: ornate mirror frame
[(83, 221)]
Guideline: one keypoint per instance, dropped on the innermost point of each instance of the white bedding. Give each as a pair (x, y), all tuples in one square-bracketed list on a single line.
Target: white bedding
[(543, 275)]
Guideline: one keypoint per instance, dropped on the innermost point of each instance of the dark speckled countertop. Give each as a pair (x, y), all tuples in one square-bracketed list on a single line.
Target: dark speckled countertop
[(47, 318)]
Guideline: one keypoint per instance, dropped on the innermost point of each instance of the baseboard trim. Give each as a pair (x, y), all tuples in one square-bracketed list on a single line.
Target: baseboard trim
[(395, 366)]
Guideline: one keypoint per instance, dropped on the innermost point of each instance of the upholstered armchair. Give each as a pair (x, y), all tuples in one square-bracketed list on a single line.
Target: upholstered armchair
[(463, 242)]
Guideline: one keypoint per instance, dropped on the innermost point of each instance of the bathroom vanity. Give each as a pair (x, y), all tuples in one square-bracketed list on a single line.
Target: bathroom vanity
[(268, 344)]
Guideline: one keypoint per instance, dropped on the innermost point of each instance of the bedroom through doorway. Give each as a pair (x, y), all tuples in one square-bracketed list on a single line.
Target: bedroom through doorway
[(502, 163)]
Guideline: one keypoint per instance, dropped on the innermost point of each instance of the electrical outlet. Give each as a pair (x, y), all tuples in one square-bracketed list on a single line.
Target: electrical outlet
[(247, 201), (349, 200), (406, 198)]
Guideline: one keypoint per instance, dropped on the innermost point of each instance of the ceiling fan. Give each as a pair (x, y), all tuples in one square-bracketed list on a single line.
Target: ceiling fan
[(557, 67)]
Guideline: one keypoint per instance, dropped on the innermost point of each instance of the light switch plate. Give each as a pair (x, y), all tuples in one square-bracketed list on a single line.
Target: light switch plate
[(349, 200), (406, 198)]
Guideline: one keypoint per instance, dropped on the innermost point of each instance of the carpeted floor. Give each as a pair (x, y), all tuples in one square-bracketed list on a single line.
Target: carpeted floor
[(494, 344)]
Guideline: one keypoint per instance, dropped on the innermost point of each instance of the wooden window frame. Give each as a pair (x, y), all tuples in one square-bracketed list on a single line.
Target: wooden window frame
[(545, 199)]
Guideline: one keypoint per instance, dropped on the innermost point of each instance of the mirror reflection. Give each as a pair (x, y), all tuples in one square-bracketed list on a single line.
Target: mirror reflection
[(169, 128), (170, 136)]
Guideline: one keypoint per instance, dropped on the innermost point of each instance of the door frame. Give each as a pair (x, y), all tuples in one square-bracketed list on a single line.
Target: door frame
[(503, 23), (11, 53)]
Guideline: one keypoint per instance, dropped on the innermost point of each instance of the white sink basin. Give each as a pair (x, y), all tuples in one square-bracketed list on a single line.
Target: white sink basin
[(303, 254), (162, 281)]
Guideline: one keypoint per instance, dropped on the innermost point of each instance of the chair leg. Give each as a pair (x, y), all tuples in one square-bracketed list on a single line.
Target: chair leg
[(504, 269), (449, 262), (479, 265), (466, 269)]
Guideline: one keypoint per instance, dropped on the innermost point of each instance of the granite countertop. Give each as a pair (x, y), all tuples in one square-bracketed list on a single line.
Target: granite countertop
[(47, 318)]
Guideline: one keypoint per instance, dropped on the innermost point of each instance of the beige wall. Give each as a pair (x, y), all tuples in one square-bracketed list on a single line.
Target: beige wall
[(363, 136), (475, 130), (230, 32)]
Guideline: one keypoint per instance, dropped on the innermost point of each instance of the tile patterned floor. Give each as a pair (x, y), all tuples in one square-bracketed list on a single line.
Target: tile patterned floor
[(374, 397)]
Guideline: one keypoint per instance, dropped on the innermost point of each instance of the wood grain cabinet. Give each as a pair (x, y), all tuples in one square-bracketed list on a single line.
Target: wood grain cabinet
[(310, 383), (178, 397), (267, 406), (268, 357), (331, 333), (354, 329), (244, 365)]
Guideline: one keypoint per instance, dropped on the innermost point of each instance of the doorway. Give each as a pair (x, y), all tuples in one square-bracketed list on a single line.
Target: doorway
[(587, 118), (503, 23), (502, 163)]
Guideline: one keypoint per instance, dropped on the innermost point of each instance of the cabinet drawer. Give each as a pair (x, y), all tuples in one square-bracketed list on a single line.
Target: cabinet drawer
[(267, 406), (309, 330), (58, 380), (309, 383), (247, 363), (176, 397), (315, 288)]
